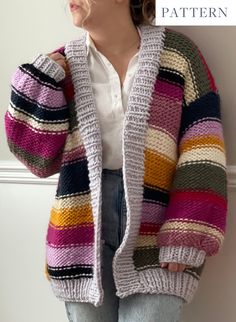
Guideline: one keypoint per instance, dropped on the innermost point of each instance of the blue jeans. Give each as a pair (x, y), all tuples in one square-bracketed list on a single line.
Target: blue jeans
[(133, 308)]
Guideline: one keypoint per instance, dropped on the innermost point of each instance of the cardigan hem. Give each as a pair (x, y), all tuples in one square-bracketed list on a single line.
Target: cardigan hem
[(152, 281), (161, 280), (78, 290)]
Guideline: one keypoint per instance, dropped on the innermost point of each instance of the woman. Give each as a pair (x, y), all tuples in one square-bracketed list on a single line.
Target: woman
[(129, 116)]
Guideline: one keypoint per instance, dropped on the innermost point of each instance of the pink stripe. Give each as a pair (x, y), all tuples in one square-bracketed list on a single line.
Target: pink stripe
[(44, 145), (199, 210), (161, 107), (168, 89), (182, 238), (68, 236), (38, 92), (204, 128), (153, 213), (69, 256)]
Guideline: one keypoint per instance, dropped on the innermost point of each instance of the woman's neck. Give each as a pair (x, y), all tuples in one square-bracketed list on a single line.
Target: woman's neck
[(117, 41)]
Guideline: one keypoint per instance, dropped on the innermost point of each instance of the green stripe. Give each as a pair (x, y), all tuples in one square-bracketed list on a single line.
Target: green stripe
[(73, 124), (32, 160), (145, 258), (196, 176), (189, 50)]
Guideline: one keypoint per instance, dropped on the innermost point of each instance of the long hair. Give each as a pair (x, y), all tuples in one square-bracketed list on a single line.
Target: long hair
[(142, 11)]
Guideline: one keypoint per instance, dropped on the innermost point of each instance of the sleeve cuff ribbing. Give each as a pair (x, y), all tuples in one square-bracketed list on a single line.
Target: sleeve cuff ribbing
[(182, 254), (48, 66)]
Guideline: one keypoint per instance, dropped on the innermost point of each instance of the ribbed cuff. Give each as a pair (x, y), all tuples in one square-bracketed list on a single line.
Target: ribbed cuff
[(48, 66), (182, 254)]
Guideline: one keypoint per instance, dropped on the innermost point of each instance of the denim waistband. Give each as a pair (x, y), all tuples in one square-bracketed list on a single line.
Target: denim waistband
[(118, 172)]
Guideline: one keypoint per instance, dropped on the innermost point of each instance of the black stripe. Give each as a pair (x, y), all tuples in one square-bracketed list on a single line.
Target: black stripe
[(207, 106), (38, 75), (156, 195), (146, 256), (37, 111), (68, 272), (73, 178), (171, 75)]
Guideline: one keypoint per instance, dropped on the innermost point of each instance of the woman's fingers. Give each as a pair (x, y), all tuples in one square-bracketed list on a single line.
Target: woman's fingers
[(60, 59), (164, 264), (175, 267)]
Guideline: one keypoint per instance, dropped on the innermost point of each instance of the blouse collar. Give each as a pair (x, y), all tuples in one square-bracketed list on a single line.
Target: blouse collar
[(90, 43)]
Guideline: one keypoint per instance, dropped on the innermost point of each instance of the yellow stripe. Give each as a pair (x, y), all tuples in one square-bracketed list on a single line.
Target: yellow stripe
[(158, 170), (205, 140), (71, 216)]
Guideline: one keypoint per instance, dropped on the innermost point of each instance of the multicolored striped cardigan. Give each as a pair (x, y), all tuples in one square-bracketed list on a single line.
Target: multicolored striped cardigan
[(174, 166)]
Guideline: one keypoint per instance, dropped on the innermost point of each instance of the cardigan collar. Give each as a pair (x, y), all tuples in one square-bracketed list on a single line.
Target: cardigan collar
[(133, 139)]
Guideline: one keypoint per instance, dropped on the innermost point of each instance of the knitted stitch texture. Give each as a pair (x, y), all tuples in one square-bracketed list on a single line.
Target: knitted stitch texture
[(174, 165)]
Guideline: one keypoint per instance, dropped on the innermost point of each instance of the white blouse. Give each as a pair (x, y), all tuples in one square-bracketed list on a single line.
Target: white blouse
[(111, 101)]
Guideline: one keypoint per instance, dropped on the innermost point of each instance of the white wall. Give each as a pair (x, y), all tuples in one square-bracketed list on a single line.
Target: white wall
[(26, 28), (25, 293)]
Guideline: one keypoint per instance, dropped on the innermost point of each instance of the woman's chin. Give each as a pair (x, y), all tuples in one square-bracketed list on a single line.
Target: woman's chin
[(77, 21)]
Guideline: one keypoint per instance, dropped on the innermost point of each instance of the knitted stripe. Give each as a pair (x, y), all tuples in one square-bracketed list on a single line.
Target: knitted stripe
[(158, 177), (42, 114), (31, 135), (62, 216), (149, 208), (72, 271), (77, 235), (210, 180), (70, 257), (208, 127), (55, 100)]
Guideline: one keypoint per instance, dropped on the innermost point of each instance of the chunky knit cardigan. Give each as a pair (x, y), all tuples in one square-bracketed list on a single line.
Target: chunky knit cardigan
[(174, 166)]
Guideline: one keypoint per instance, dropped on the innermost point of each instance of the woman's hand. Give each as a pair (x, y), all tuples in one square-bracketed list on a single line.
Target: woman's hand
[(60, 59), (175, 267)]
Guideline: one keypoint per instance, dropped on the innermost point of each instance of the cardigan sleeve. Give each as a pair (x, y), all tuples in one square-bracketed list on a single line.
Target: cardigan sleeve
[(195, 218), (37, 118)]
